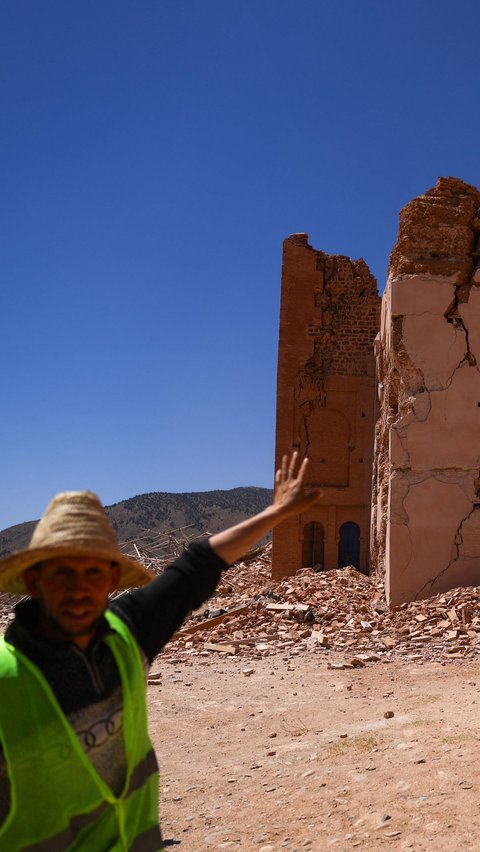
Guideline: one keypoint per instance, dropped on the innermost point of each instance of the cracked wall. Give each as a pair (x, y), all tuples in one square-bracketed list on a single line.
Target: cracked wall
[(426, 484), (329, 317)]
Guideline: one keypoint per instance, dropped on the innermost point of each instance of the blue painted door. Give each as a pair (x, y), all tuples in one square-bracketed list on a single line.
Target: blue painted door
[(349, 545)]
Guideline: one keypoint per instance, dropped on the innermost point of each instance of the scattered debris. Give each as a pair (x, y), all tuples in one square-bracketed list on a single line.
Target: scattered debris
[(332, 611), (205, 624), (340, 611), (155, 550)]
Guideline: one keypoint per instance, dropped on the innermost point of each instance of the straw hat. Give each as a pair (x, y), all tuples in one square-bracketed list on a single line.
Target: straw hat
[(73, 524)]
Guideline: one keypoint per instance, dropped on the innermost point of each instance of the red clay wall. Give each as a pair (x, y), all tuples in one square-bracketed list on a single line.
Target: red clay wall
[(329, 318)]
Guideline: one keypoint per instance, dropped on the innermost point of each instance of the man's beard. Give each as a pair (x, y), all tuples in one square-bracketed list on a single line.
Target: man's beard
[(55, 628), (67, 632)]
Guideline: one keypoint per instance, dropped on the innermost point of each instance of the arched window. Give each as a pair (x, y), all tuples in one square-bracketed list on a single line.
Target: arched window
[(349, 545), (312, 550)]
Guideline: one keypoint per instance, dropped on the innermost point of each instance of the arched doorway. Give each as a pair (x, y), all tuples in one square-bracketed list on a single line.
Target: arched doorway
[(349, 545), (312, 550)]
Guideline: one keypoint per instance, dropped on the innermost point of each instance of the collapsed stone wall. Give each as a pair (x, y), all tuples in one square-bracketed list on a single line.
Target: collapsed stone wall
[(426, 484)]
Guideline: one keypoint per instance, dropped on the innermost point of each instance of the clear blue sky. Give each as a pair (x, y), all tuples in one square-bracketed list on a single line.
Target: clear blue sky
[(154, 155)]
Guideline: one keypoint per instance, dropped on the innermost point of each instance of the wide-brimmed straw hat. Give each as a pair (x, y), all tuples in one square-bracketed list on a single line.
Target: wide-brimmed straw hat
[(73, 524)]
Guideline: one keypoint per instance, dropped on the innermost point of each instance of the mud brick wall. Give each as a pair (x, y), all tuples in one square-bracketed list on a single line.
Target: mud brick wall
[(329, 318), (426, 491)]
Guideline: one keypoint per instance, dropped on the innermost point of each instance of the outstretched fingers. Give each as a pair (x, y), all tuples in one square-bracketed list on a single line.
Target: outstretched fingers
[(303, 469), (286, 473), (293, 464)]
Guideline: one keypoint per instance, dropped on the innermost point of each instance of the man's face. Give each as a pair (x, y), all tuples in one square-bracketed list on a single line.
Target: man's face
[(73, 594)]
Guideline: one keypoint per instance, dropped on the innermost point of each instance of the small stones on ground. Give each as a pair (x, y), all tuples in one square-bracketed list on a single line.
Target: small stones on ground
[(389, 714)]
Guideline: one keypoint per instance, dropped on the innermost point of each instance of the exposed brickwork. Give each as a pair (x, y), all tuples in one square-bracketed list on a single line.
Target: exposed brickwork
[(436, 232), (346, 308), (325, 399)]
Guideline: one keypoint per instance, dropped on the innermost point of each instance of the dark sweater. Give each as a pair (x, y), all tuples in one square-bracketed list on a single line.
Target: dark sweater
[(87, 684)]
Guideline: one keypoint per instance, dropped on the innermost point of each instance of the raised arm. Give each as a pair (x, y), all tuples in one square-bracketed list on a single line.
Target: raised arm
[(290, 498)]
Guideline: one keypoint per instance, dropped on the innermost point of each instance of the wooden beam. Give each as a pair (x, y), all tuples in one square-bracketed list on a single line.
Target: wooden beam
[(210, 622)]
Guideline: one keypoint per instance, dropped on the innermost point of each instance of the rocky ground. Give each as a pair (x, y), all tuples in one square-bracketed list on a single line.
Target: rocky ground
[(314, 717), (300, 756)]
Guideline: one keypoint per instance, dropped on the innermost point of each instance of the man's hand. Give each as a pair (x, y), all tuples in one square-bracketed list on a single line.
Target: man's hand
[(291, 496)]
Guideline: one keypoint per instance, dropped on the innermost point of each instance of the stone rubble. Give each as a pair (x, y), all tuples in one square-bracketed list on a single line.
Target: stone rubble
[(330, 613), (340, 610)]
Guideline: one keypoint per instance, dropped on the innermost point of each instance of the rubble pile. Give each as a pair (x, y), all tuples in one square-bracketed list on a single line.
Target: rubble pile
[(340, 610)]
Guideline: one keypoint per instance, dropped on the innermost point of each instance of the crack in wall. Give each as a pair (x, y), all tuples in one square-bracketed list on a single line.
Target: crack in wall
[(452, 315), (409, 414), (457, 541), (438, 236), (307, 436)]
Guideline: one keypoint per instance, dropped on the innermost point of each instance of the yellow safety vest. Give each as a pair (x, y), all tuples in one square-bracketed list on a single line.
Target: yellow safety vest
[(59, 802)]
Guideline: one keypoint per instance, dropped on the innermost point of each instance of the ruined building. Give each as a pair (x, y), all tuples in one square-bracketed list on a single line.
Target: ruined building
[(426, 495), (325, 403), (425, 518)]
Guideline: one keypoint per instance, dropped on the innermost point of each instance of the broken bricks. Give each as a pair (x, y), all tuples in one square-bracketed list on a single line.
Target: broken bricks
[(347, 615), (347, 619)]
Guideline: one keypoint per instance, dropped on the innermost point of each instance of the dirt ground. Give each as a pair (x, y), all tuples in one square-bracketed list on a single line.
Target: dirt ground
[(296, 755), (311, 716)]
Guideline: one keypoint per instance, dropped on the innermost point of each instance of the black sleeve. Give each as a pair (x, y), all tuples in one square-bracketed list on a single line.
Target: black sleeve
[(157, 610)]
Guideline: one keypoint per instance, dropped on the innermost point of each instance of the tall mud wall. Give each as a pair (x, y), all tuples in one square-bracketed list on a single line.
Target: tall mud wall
[(426, 483), (329, 318)]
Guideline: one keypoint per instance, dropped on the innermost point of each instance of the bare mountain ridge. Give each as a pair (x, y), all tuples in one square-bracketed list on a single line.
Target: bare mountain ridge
[(205, 511)]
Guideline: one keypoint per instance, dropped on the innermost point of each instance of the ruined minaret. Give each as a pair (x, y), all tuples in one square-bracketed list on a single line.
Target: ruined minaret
[(426, 500), (329, 317)]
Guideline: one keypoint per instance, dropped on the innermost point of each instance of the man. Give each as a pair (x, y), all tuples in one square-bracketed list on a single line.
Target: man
[(77, 769)]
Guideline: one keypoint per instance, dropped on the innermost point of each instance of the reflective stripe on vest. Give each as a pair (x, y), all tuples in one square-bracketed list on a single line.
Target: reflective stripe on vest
[(59, 801)]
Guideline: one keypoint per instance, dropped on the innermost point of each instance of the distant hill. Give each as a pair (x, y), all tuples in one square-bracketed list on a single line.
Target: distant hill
[(206, 511)]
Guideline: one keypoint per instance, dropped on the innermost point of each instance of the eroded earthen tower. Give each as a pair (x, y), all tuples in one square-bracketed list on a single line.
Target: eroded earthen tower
[(426, 500), (329, 317)]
